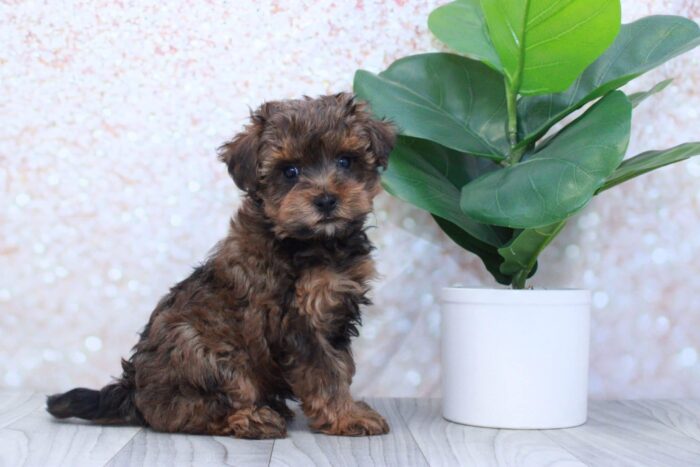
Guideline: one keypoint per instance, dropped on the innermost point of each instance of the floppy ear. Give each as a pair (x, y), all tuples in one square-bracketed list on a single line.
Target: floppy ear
[(382, 136), (381, 133), (241, 157), (241, 153)]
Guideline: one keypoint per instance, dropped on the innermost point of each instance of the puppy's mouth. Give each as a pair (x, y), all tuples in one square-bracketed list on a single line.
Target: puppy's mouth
[(331, 227), (327, 226), (329, 220)]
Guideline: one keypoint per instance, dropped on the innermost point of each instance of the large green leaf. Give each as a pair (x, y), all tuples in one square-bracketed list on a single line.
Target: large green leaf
[(558, 179), (461, 26), (545, 44), (428, 176), (650, 160), (445, 98), (520, 255), (640, 46), (487, 253)]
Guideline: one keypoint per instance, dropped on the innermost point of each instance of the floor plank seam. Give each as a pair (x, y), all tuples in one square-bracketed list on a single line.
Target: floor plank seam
[(561, 446), (272, 450), (397, 405), (124, 447)]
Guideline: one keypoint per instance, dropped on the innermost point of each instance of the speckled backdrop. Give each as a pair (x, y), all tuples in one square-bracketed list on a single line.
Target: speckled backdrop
[(110, 113)]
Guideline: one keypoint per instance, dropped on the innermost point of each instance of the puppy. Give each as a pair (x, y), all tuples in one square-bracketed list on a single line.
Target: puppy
[(270, 314)]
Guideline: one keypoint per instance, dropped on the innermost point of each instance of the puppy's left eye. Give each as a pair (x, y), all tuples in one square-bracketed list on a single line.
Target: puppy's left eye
[(344, 161), (291, 172)]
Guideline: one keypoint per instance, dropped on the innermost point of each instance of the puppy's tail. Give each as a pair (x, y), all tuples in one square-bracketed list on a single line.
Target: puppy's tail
[(113, 404)]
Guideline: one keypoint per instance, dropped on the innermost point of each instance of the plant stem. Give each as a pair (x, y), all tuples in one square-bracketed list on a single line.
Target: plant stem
[(520, 278), (547, 234), (511, 102), (515, 155)]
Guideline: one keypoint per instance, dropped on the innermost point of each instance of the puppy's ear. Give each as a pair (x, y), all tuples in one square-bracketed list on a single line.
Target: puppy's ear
[(241, 157), (382, 136), (241, 153), (381, 133)]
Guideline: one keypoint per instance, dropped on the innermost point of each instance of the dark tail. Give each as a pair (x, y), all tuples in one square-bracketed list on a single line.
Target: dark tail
[(113, 404)]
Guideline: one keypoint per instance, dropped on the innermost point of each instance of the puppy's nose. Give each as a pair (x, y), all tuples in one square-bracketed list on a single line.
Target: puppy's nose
[(326, 203)]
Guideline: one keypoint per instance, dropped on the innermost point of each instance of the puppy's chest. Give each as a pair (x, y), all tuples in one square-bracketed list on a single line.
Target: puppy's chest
[(328, 294)]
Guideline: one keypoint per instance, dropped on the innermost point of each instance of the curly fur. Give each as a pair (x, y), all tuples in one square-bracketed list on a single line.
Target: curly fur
[(269, 316)]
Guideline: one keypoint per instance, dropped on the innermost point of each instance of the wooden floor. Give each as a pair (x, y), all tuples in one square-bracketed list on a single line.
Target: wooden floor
[(658, 433)]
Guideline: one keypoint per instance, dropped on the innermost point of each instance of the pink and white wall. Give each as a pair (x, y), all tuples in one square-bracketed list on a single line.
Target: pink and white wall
[(110, 191)]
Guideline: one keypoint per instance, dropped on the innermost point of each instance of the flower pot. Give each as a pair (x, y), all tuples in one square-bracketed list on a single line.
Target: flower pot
[(515, 358)]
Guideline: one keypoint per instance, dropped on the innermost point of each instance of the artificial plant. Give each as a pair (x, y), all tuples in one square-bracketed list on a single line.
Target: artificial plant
[(476, 148)]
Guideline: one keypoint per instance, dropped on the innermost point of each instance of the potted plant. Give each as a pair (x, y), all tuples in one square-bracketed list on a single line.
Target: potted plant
[(477, 150)]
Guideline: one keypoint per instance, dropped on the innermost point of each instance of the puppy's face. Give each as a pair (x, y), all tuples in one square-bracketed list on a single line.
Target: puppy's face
[(314, 163)]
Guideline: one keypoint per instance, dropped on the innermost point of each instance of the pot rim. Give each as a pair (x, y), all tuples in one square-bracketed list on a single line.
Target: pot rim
[(541, 297)]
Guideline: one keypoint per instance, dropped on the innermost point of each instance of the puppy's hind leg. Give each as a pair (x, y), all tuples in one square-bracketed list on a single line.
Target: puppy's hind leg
[(207, 415)]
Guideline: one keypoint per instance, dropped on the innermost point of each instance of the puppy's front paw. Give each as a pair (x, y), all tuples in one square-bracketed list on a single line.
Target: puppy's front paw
[(361, 420), (256, 423)]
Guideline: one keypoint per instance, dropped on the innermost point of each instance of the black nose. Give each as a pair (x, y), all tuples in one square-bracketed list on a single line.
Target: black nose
[(326, 203)]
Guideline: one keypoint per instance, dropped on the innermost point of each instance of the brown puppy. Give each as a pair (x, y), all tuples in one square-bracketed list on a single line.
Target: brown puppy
[(269, 316)]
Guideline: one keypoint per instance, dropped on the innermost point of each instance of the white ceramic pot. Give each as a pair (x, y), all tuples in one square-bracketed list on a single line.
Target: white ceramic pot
[(515, 358)]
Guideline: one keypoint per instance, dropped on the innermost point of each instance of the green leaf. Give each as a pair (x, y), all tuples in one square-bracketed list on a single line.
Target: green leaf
[(650, 160), (558, 179), (640, 46), (544, 44), (639, 97), (520, 255), (428, 175), (445, 98), (461, 26), (487, 253)]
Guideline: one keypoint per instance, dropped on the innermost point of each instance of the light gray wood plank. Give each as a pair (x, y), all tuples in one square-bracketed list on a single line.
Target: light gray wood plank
[(680, 415), (616, 434), (447, 443), (304, 448), (650, 433), (150, 448), (17, 404), (38, 440), (6, 393)]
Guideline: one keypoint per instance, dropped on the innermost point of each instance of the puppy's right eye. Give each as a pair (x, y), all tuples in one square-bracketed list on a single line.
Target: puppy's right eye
[(290, 172)]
